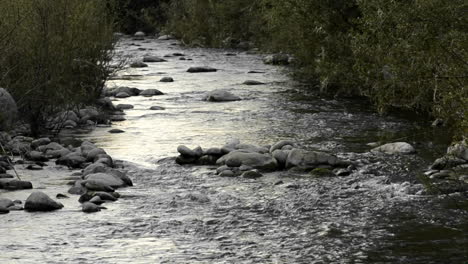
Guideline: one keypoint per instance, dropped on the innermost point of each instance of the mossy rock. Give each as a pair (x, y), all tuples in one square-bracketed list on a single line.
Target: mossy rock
[(321, 172)]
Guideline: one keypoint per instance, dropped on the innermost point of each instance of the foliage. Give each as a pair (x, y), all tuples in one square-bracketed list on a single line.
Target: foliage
[(140, 15), (55, 54)]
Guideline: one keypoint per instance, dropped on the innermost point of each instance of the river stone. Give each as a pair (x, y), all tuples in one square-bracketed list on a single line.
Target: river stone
[(40, 142), (19, 145), (122, 95), (277, 59), (122, 89), (69, 124), (92, 154), (4, 202), (306, 160), (138, 64), (8, 109), (207, 160), (97, 185), (459, 150), (255, 160), (183, 160), (157, 108), (90, 113), (281, 144), (79, 190), (395, 148), (201, 69), (104, 159), (89, 207), (122, 176), (94, 168), (50, 146), (72, 160), (227, 173), (187, 152), (16, 207), (13, 184), (213, 151), (6, 176), (251, 174), (36, 156), (55, 154), (96, 200), (105, 196), (39, 201), (166, 37), (252, 82), (280, 156), (150, 92), (220, 96), (86, 147), (153, 59), (166, 79), (107, 179), (139, 34), (4, 210), (124, 106)]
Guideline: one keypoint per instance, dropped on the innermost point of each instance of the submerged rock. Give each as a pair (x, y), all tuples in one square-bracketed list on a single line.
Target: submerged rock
[(151, 92), (252, 82), (221, 96), (156, 108), (39, 201), (138, 64), (153, 59), (166, 79), (201, 69)]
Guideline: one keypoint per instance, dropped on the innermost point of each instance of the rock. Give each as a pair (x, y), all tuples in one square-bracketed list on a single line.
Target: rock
[(50, 146), (213, 152), (251, 174), (122, 95), (88, 207), (104, 159), (12, 184), (105, 179), (8, 109), (124, 106), (166, 79), (97, 185), (138, 64), (34, 167), (227, 173), (252, 82), (183, 160), (4, 210), (255, 160), (207, 160), (94, 153), (255, 72), (105, 196), (116, 131), (72, 160), (96, 200), (447, 162), (6, 176), (36, 156), (117, 118), (281, 144), (90, 113), (201, 69), (61, 196), (5, 203), (150, 92), (40, 142), (459, 150), (69, 124), (306, 160), (157, 108), (39, 201), (221, 96), (16, 207), (121, 175), (19, 145), (342, 172), (55, 154), (395, 148), (153, 59), (79, 190), (281, 157), (106, 103), (122, 89), (277, 59), (187, 152), (86, 147), (139, 34), (166, 37), (94, 168)]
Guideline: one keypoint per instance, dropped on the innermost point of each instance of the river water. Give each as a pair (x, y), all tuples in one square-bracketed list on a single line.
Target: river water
[(178, 214)]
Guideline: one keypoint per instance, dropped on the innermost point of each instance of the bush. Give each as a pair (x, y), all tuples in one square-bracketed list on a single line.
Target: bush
[(55, 54)]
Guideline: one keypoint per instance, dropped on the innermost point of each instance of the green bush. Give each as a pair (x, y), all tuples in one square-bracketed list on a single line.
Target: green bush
[(55, 54)]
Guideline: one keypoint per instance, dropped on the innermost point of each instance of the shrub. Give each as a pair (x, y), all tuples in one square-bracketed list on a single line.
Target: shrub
[(55, 54)]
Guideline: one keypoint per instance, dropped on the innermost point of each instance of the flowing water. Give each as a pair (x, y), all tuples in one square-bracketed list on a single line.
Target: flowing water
[(178, 214)]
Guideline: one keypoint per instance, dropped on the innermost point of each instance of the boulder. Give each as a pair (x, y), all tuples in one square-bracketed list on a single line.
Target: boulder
[(281, 144), (201, 69), (39, 201), (280, 156), (8, 109), (122, 89), (4, 210), (73, 160), (187, 152), (36, 156), (252, 159), (94, 168), (307, 160), (97, 185), (19, 145), (69, 124), (50, 146), (138, 64), (106, 179), (79, 190), (277, 59), (166, 79), (124, 106), (153, 59), (96, 200), (89, 207), (105, 196), (251, 174), (55, 154), (183, 160), (150, 92), (116, 131), (90, 113), (5, 203), (221, 96), (13, 184), (139, 34), (40, 142), (395, 148), (94, 153), (104, 159)]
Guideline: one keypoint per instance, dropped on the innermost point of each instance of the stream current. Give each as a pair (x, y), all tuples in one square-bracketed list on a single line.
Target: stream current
[(186, 214)]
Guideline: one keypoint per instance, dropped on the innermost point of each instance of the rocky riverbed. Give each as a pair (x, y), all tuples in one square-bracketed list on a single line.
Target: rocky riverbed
[(281, 175)]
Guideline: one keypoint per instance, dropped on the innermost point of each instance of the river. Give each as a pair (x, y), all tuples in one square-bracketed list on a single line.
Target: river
[(185, 214)]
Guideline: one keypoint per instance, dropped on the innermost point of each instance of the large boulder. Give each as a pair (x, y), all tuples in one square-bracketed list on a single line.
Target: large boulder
[(395, 148), (252, 159), (39, 201), (8, 109), (308, 160), (221, 96)]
